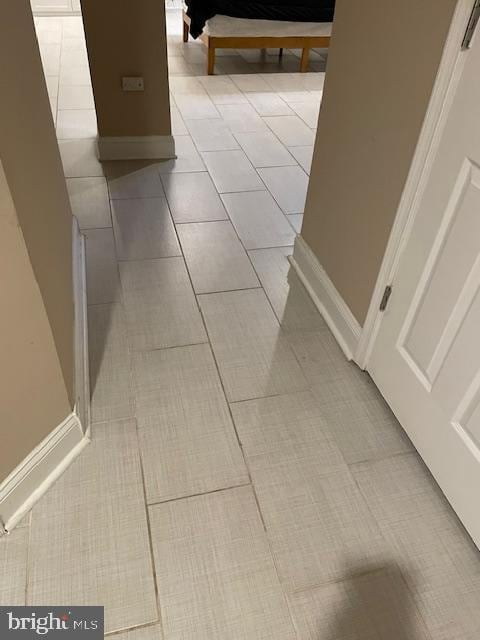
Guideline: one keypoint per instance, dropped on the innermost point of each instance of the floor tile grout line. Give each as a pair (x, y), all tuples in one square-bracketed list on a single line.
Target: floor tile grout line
[(276, 94), (331, 581), (388, 544), (28, 568), (273, 395), (186, 263), (247, 467), (70, 177), (225, 397), (276, 567), (284, 331), (239, 238), (269, 166), (296, 163), (100, 304), (135, 197), (227, 193), (148, 522), (229, 404), (130, 260), (291, 223), (380, 458), (138, 627), (220, 194), (253, 267), (207, 293), (84, 230), (173, 346), (197, 495), (282, 143), (202, 221), (274, 198)]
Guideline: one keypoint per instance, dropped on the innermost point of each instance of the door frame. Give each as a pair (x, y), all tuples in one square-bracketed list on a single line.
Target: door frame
[(444, 90)]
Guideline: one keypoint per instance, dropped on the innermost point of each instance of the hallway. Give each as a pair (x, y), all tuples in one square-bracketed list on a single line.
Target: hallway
[(244, 481)]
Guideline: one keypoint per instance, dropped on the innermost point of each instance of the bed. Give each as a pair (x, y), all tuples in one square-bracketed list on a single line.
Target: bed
[(245, 24)]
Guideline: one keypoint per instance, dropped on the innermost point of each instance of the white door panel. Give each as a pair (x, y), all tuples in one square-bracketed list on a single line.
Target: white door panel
[(426, 359)]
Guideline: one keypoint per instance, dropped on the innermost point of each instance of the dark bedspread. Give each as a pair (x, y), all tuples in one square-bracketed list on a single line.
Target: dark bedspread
[(200, 11)]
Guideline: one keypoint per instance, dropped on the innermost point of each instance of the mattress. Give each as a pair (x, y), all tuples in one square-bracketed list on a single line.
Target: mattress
[(225, 27), (291, 11)]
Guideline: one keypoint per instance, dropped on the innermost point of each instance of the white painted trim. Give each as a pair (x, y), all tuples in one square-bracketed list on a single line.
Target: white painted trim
[(55, 13), (82, 383), (443, 92), (136, 148), (326, 298), (35, 475)]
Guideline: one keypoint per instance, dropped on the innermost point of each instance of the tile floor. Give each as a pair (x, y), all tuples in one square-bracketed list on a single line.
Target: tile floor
[(244, 481)]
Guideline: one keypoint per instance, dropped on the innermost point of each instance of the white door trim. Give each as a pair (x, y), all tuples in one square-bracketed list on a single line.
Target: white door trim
[(446, 82)]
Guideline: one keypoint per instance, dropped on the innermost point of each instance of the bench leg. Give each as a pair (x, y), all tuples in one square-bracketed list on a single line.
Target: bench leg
[(211, 60), (280, 53), (305, 60), (186, 31)]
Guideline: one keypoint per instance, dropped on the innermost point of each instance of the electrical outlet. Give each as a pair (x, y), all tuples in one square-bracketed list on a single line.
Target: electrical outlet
[(132, 84)]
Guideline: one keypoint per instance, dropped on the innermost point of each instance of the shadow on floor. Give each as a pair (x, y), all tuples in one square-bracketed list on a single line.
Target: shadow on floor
[(371, 603), (123, 176)]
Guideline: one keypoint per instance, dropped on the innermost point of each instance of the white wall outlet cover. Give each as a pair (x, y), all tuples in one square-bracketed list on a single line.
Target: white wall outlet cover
[(132, 83)]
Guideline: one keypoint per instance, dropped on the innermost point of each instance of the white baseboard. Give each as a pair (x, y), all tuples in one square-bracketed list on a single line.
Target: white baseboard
[(82, 381), (326, 298), (35, 475), (136, 148), (55, 13)]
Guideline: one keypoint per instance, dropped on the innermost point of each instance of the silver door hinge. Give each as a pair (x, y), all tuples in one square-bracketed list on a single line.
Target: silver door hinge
[(386, 296), (472, 23)]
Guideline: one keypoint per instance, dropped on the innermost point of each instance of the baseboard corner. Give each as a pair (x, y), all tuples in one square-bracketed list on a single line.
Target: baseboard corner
[(136, 147), (336, 313), (39, 470)]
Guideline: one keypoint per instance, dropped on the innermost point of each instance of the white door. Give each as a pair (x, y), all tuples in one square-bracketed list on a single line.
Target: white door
[(426, 359)]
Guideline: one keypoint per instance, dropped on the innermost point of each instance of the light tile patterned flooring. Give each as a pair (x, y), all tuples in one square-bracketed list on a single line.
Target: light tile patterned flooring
[(244, 481)]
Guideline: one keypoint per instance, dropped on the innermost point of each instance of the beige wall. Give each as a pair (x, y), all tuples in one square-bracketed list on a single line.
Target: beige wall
[(128, 39), (31, 161), (33, 396), (36, 321), (381, 70)]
